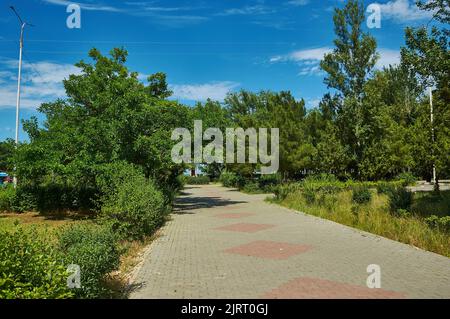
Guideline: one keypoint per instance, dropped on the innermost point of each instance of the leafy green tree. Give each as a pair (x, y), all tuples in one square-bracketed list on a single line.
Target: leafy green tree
[(6, 152), (109, 116), (354, 56), (427, 54)]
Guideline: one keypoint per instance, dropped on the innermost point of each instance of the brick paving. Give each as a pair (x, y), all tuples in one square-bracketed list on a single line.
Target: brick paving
[(199, 254)]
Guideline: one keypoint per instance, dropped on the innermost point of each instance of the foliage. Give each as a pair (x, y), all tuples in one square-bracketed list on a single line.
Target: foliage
[(407, 179), (400, 199), (197, 180), (251, 188), (228, 179), (440, 223), (6, 152), (94, 249), (135, 209), (7, 198), (361, 194), (30, 268)]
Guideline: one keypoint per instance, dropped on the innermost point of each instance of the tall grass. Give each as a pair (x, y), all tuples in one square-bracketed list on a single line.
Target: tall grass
[(374, 217)]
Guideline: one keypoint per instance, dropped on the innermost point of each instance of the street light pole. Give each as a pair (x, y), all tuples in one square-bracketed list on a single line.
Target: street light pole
[(18, 95), (22, 28), (432, 133)]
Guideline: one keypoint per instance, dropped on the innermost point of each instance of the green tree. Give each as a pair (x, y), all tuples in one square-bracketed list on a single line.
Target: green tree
[(354, 56), (6, 152)]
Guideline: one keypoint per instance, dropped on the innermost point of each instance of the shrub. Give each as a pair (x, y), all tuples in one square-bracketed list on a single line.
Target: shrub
[(24, 200), (283, 190), (400, 198), (252, 188), (110, 176), (94, 249), (440, 223), (361, 194), (137, 208), (228, 179), (385, 187), (7, 197), (50, 197), (197, 180), (30, 268), (268, 182), (407, 179)]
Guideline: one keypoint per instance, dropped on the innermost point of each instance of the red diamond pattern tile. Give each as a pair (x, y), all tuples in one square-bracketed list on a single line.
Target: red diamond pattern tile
[(269, 249)]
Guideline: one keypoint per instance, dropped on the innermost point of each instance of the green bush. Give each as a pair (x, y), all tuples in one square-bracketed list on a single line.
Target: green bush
[(7, 198), (400, 199), (361, 194), (268, 182), (197, 180), (137, 208), (384, 187), (50, 197), (228, 179), (251, 188), (283, 190), (406, 179), (30, 268), (440, 223), (94, 249)]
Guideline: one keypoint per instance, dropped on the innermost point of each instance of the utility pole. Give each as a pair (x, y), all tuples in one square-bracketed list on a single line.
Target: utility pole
[(22, 27), (432, 134)]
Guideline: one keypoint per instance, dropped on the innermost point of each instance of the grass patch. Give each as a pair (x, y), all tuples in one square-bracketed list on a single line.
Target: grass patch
[(375, 217)]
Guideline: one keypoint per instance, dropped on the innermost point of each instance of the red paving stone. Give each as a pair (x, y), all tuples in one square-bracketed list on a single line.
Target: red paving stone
[(315, 288), (269, 249), (246, 228), (234, 215)]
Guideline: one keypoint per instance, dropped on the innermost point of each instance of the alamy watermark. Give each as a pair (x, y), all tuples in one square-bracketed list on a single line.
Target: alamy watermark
[(74, 279), (74, 19), (374, 17), (374, 279), (237, 150)]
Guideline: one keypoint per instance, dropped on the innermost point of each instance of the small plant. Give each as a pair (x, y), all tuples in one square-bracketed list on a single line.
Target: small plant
[(229, 179), (402, 213), (137, 208), (440, 223), (361, 194), (31, 268), (309, 193), (407, 179), (252, 188), (94, 249), (7, 196), (197, 180), (400, 198)]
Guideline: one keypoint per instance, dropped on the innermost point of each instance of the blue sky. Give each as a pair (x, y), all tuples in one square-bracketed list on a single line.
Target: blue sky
[(206, 48)]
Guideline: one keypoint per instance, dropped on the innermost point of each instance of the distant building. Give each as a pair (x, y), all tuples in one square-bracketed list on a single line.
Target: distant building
[(4, 178), (199, 170)]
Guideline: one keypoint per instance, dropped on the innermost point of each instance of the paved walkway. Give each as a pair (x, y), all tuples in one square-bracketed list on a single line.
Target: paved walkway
[(221, 243)]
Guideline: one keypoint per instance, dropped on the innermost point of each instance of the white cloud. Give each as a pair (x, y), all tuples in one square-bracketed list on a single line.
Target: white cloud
[(387, 57), (156, 14), (201, 92), (403, 11), (248, 10), (86, 6), (41, 82), (297, 3), (306, 56), (308, 60)]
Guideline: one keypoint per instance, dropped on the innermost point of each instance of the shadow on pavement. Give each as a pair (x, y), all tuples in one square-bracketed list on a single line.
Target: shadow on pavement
[(184, 205)]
